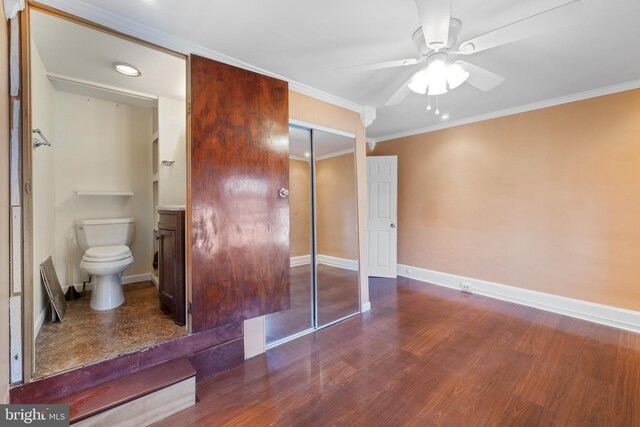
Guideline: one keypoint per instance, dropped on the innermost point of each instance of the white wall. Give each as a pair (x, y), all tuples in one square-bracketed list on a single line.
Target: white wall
[(43, 99), (102, 146), (172, 147)]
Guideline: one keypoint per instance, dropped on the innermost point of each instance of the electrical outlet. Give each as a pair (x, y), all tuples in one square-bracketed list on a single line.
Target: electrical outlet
[(466, 287), (408, 271)]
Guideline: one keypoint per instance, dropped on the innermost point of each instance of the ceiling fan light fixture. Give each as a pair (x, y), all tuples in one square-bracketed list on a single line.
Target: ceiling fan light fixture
[(438, 87), (436, 70), (419, 82), (456, 75)]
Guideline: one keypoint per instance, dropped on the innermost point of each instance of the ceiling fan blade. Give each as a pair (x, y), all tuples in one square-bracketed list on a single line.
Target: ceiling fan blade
[(399, 96), (381, 65), (479, 77), (435, 16), (540, 23)]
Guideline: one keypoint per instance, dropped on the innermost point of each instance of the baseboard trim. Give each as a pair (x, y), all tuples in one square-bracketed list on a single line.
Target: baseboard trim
[(348, 264), (136, 278), (126, 280), (296, 261), (40, 321), (598, 313)]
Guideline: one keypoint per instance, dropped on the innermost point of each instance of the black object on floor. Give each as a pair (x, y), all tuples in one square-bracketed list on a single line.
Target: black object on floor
[(72, 294)]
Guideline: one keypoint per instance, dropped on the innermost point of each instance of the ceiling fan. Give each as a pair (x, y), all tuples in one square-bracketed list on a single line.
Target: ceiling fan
[(438, 47)]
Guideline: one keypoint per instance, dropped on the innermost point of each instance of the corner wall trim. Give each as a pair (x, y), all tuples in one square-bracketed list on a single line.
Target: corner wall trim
[(348, 264), (365, 307), (598, 313), (40, 320)]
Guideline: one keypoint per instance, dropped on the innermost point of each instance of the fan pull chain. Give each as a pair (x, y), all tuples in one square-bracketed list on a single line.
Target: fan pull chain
[(437, 105), (428, 103)]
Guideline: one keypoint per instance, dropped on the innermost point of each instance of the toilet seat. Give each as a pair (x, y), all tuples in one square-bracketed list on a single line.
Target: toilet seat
[(106, 253)]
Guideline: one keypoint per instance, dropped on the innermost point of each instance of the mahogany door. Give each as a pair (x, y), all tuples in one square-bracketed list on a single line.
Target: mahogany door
[(239, 234)]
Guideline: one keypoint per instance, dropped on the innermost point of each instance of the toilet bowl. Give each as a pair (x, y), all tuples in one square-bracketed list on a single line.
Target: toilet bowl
[(106, 257), (106, 265)]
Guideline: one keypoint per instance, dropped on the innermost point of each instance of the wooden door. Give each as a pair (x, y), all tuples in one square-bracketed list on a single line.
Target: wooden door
[(382, 200), (239, 234)]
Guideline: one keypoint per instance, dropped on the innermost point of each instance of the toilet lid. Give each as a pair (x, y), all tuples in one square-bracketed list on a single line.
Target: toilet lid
[(107, 253)]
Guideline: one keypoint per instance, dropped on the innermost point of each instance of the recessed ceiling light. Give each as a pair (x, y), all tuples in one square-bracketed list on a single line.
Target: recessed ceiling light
[(445, 116), (127, 69), (306, 154)]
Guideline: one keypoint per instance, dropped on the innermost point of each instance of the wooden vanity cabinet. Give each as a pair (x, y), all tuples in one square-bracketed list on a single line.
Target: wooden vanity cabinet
[(171, 262)]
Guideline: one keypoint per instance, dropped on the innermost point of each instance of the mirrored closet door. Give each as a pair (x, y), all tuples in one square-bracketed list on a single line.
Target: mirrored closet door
[(323, 234), (336, 220), (299, 317)]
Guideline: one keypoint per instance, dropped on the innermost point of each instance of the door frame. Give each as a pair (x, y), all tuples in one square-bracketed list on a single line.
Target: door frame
[(23, 180), (394, 223)]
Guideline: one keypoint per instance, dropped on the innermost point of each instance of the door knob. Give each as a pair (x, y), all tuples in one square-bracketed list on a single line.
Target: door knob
[(283, 192), (393, 225)]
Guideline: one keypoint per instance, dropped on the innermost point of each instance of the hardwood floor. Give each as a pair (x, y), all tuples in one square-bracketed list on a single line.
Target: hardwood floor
[(296, 319), (337, 298), (427, 355)]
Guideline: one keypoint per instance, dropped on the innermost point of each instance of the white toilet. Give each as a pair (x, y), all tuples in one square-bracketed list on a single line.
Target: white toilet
[(105, 243)]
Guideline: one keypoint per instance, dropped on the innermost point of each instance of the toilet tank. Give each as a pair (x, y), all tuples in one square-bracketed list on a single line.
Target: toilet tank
[(104, 232)]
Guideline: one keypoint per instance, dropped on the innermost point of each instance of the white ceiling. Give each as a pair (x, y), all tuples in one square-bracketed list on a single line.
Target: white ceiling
[(81, 53), (305, 41)]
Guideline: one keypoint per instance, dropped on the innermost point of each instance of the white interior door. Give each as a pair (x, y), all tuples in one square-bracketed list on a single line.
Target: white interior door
[(382, 200)]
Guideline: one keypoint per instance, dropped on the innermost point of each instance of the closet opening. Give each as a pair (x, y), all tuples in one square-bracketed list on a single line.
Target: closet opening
[(323, 234)]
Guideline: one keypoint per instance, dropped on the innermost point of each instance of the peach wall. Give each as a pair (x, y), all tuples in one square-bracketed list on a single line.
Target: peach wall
[(4, 210), (315, 111), (336, 216), (299, 207), (547, 200)]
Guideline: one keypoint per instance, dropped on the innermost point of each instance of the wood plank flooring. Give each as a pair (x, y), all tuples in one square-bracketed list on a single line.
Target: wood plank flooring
[(427, 355), (337, 298)]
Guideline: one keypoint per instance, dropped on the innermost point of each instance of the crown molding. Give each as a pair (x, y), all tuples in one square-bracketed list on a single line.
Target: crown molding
[(580, 96), (160, 38), (368, 116), (336, 154), (12, 7), (299, 158)]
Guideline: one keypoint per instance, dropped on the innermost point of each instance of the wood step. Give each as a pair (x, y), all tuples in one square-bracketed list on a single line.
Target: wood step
[(120, 391)]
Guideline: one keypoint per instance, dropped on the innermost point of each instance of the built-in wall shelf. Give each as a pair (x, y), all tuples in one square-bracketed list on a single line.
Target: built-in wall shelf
[(104, 193)]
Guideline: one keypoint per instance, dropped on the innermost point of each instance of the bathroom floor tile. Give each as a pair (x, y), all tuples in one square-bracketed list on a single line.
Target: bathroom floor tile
[(87, 336)]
